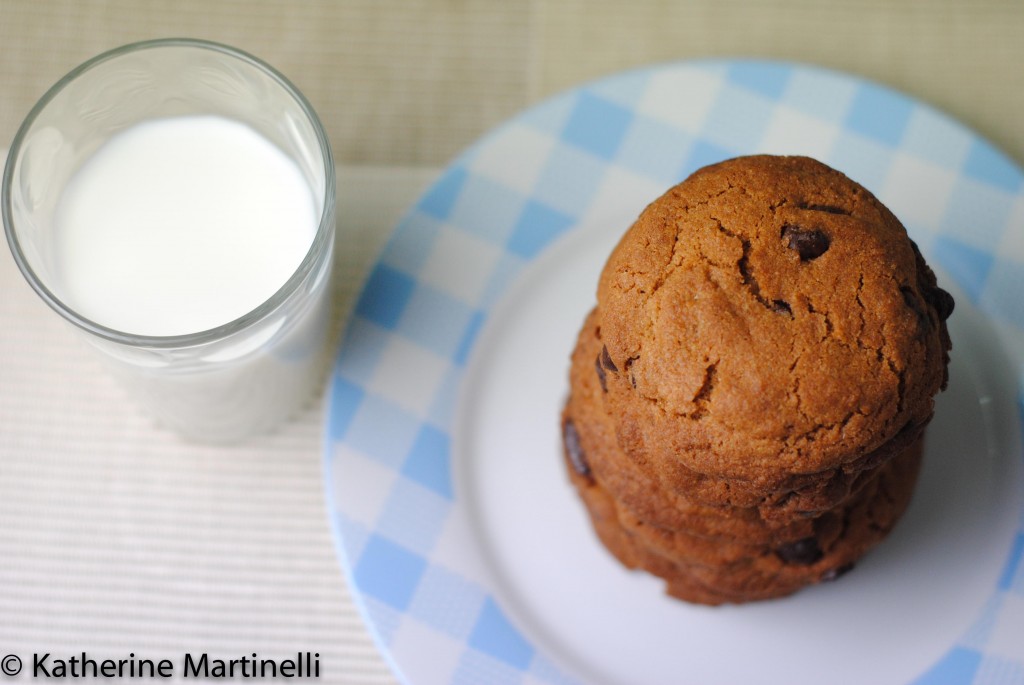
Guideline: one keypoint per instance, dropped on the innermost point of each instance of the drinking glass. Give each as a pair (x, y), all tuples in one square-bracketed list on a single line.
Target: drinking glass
[(244, 376)]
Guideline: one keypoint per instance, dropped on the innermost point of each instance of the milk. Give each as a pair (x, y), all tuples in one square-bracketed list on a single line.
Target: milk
[(179, 225)]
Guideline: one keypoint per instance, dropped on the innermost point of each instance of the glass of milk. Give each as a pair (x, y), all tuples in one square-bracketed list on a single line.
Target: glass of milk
[(174, 200)]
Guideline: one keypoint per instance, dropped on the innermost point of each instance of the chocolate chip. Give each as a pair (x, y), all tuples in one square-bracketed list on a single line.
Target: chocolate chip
[(606, 360), (601, 376), (942, 301), (834, 573), (571, 438), (803, 552), (809, 243)]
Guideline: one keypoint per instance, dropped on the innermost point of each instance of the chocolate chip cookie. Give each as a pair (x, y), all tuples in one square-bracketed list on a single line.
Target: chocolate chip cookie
[(748, 397), (768, 319)]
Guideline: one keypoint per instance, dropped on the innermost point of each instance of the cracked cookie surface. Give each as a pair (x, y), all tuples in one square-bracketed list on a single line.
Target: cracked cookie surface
[(768, 318), (707, 506)]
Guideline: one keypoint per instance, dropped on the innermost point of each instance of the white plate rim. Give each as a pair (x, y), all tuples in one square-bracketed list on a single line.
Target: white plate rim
[(712, 65)]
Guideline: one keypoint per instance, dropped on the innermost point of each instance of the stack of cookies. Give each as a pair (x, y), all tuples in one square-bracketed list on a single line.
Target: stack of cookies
[(748, 398)]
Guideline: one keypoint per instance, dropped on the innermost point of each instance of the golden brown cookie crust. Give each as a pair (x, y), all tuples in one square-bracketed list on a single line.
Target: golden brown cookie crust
[(757, 574), (716, 503), (768, 316)]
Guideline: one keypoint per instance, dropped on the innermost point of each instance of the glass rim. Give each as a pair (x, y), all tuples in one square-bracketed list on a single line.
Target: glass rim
[(324, 232)]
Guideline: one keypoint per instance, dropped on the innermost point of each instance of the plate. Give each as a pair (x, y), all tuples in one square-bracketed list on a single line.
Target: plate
[(466, 549)]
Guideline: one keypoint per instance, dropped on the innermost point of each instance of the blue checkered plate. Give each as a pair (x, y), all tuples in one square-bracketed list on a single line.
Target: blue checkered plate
[(469, 555)]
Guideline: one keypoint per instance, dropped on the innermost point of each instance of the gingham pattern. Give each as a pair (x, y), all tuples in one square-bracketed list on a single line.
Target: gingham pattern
[(403, 537)]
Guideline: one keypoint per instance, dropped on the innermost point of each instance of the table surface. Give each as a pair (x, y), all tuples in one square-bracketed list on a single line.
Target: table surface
[(116, 536)]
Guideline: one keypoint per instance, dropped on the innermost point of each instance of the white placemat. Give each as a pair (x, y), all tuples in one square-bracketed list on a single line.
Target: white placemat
[(118, 538)]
